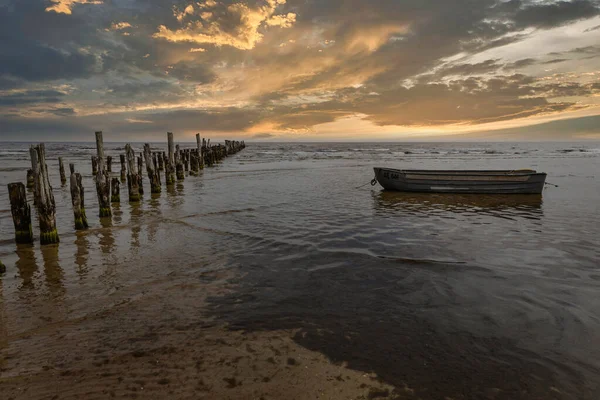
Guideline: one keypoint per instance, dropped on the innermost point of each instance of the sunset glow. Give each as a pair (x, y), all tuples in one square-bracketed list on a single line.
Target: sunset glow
[(300, 70)]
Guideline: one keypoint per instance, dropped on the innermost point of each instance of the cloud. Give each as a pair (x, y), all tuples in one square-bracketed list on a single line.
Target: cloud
[(119, 26), (393, 64), (263, 136), (66, 6), (555, 13), (236, 25)]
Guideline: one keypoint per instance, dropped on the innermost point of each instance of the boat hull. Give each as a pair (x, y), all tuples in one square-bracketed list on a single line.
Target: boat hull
[(430, 181)]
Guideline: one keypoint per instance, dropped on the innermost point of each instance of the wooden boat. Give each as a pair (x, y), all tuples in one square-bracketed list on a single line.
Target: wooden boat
[(525, 181)]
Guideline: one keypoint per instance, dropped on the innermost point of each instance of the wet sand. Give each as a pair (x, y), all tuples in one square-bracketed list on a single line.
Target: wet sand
[(148, 346)]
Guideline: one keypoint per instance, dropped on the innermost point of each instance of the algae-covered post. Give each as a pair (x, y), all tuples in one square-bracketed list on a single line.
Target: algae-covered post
[(45, 204), (160, 157), (170, 161), (21, 213), (140, 161), (178, 164), (61, 167), (139, 175), (30, 183), (102, 179), (77, 199), (153, 174), (123, 168), (132, 176), (199, 149), (115, 190), (94, 165), (109, 164)]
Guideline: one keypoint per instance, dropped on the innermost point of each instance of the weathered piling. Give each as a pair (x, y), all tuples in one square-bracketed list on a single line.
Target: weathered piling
[(109, 164), (170, 161), (102, 179), (123, 168), (199, 149), (77, 199), (2, 268), (186, 159), (140, 161), (194, 162), (178, 164), (132, 176), (21, 212), (94, 165), (140, 176), (61, 167), (45, 204), (153, 173), (115, 190), (30, 182), (160, 157)]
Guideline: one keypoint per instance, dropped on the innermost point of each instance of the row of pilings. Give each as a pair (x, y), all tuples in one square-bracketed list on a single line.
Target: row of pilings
[(171, 164)]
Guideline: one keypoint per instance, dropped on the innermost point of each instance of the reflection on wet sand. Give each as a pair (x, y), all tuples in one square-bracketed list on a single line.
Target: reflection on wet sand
[(528, 205), (53, 271), (3, 320), (81, 254), (136, 214), (157, 213), (26, 265), (107, 241)]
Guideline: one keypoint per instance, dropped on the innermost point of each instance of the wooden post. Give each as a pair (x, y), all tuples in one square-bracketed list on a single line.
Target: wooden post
[(132, 177), (140, 161), (115, 190), (102, 179), (46, 206), (109, 164), (199, 148), (153, 173), (186, 160), (77, 199), (160, 157), (94, 165), (61, 167), (123, 168), (170, 165), (30, 183), (2, 268), (21, 213), (139, 175), (178, 164)]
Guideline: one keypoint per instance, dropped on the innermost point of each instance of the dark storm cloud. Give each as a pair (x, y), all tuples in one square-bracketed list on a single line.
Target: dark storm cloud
[(31, 97), (37, 46), (555, 13)]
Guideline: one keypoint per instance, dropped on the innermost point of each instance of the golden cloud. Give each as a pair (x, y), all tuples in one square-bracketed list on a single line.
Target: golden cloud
[(65, 6), (244, 37)]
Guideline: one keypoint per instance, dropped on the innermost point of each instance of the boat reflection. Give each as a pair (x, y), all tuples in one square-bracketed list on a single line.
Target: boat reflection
[(523, 205)]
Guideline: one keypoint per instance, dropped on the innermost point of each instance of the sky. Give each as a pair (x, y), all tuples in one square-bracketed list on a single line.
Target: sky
[(300, 69)]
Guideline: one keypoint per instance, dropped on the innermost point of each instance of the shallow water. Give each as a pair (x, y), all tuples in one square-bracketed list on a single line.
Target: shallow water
[(451, 295)]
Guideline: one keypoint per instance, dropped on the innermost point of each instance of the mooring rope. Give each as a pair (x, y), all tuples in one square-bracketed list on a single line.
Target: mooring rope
[(373, 182), (551, 184)]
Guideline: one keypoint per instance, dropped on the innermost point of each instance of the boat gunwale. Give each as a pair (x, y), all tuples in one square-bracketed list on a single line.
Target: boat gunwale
[(464, 172)]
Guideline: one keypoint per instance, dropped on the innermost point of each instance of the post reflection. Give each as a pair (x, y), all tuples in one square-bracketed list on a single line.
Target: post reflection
[(156, 214), (53, 272), (526, 206), (136, 213), (26, 265), (3, 317), (82, 253), (106, 240)]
